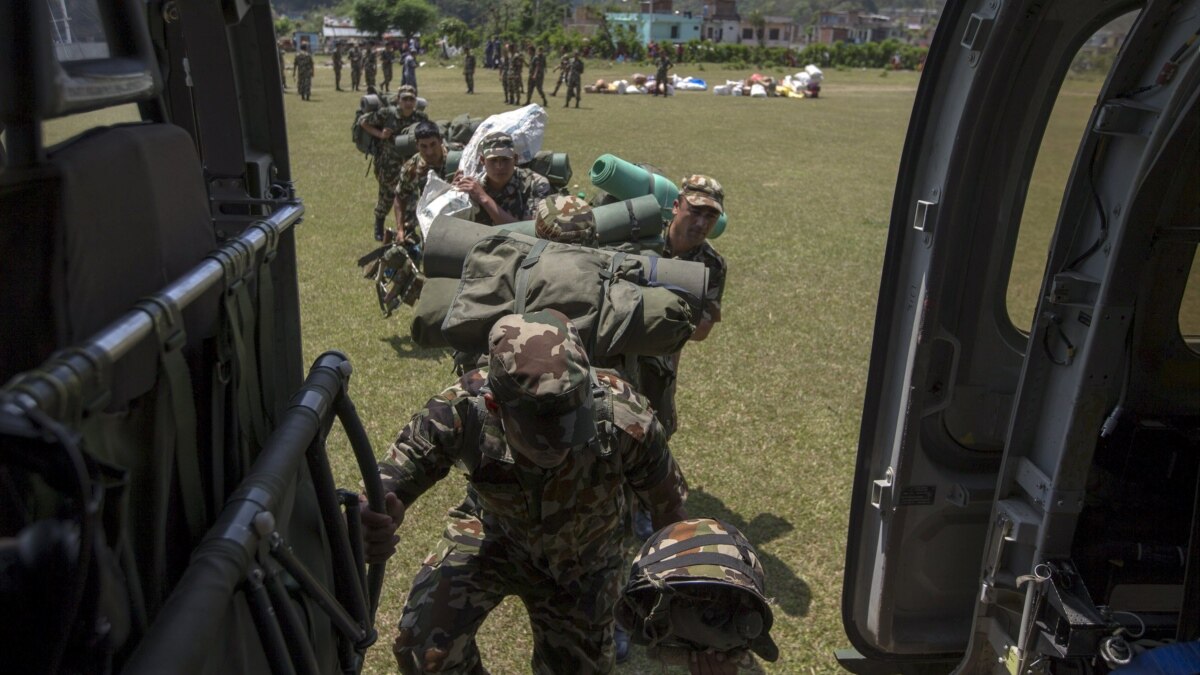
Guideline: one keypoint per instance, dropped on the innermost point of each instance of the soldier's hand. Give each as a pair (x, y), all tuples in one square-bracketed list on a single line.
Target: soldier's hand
[(385, 133), (379, 529), (470, 186)]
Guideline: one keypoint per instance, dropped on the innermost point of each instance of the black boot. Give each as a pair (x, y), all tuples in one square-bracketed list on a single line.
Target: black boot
[(379, 229)]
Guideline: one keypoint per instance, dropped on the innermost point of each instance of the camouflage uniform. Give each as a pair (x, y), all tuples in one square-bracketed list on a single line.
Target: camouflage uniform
[(543, 520), (386, 63), (369, 67), (516, 63), (520, 196), (502, 67), (469, 72), (537, 75), (564, 67), (660, 75), (658, 373), (355, 68), (574, 81), (412, 180), (337, 68), (388, 159), (303, 66)]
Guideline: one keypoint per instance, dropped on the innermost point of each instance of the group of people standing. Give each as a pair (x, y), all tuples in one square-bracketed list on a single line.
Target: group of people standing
[(511, 62), (369, 60)]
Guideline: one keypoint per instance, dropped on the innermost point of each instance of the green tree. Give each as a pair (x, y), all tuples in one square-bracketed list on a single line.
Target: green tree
[(457, 32), (412, 16), (283, 26), (373, 16)]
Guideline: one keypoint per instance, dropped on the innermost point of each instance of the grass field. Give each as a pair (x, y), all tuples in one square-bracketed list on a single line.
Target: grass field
[(769, 405)]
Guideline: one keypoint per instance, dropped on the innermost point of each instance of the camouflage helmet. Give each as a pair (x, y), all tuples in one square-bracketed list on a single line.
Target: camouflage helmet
[(698, 584), (540, 377), (406, 91), (566, 219)]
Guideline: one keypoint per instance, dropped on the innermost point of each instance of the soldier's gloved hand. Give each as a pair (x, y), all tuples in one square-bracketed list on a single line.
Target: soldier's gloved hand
[(379, 529)]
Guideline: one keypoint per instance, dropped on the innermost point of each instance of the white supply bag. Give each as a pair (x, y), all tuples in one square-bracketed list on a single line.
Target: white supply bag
[(758, 91), (439, 198)]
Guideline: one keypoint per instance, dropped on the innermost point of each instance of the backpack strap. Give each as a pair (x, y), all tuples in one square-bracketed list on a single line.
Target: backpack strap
[(523, 273), (635, 226), (602, 410)]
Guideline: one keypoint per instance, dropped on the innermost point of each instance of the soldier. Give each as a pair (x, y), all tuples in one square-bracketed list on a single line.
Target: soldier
[(302, 71), (489, 54), (430, 157), (502, 65), (694, 214), (386, 57), (337, 67), (370, 66), (408, 75), (355, 67), (469, 69), (507, 192), (537, 74), (548, 445), (516, 63), (660, 76), (385, 124), (563, 67), (574, 80), (282, 69)]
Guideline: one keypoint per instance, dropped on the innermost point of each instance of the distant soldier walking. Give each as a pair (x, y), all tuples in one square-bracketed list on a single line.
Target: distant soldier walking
[(385, 124), (502, 67), (337, 67), (370, 66), (408, 73), (563, 67), (469, 69), (537, 74), (282, 68), (574, 79), (302, 71), (355, 67), (386, 58)]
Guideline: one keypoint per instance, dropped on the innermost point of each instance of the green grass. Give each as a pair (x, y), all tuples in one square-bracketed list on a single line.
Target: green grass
[(770, 404)]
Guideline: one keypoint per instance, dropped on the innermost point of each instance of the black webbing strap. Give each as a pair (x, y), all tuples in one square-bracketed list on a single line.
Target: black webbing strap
[(266, 325), (530, 260), (719, 559), (635, 226), (683, 546), (175, 420)]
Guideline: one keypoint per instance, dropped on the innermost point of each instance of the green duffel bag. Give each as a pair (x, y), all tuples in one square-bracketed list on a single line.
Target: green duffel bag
[(612, 297), (430, 312)]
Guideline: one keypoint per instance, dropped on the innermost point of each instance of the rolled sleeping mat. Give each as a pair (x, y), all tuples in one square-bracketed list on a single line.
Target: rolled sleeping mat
[(634, 219), (638, 218), (453, 157), (555, 166), (430, 311), (450, 239), (625, 180)]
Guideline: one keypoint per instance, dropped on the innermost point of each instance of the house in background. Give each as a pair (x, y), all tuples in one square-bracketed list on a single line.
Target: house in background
[(657, 22), (856, 27), (721, 22)]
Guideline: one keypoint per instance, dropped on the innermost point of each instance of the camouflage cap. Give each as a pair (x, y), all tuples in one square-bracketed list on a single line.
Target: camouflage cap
[(703, 191), (566, 219), (708, 564), (406, 91), (538, 372), (497, 144)]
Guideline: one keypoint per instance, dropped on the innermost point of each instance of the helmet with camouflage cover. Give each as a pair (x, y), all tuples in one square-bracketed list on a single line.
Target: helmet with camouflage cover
[(566, 219), (698, 584)]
